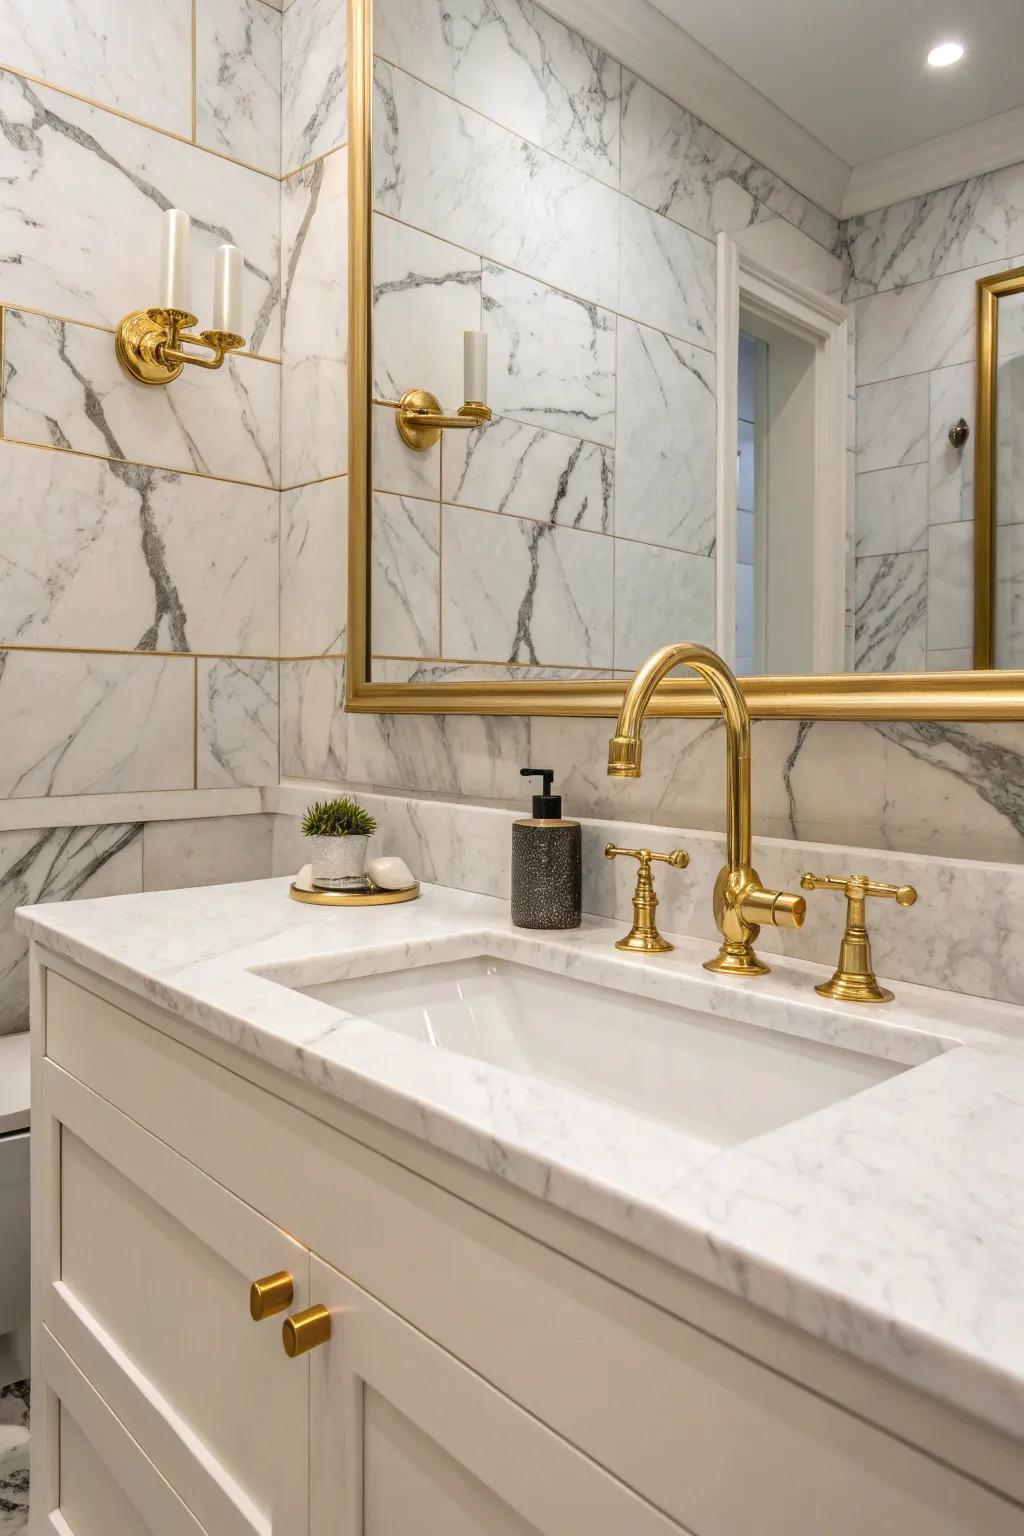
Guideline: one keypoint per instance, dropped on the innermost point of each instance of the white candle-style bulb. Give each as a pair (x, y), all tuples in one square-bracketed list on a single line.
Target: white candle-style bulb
[(174, 260), (475, 354), (227, 290)]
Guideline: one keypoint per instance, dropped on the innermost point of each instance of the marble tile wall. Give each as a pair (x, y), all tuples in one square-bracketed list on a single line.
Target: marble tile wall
[(909, 275), (139, 528), (961, 935), (526, 184), (573, 451)]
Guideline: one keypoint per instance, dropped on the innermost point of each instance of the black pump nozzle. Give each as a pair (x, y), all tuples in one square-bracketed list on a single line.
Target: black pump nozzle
[(546, 806)]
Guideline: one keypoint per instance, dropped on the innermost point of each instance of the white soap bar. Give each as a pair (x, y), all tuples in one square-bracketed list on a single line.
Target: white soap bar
[(304, 879), (391, 874)]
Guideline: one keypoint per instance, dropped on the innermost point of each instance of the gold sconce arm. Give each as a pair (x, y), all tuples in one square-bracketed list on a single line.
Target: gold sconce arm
[(150, 344), (421, 419)]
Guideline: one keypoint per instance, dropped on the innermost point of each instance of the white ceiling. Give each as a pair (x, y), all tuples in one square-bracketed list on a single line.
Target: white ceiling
[(853, 72)]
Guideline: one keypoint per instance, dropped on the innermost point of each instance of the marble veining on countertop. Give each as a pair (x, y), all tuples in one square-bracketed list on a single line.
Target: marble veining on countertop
[(890, 1224)]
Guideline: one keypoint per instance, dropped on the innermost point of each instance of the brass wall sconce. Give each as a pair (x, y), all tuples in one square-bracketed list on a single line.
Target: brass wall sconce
[(151, 343), (419, 415)]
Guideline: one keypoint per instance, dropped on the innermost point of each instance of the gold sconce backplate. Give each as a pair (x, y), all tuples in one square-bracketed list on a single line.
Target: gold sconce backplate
[(416, 434), (139, 341)]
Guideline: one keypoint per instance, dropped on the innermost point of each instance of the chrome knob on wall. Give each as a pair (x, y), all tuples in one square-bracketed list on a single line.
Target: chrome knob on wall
[(959, 433)]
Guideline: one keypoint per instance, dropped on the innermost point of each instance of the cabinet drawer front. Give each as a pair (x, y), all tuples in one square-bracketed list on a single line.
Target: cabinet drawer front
[(156, 1260), (406, 1438), (103, 1482), (719, 1442)]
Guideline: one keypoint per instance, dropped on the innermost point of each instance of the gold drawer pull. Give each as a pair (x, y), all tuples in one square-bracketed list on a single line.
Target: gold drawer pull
[(274, 1293), (305, 1331)]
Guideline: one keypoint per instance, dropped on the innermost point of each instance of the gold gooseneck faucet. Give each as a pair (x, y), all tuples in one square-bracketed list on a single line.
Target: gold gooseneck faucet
[(741, 902)]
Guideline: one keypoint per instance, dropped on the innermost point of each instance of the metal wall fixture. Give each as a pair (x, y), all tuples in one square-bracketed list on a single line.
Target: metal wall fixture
[(151, 343), (419, 415)]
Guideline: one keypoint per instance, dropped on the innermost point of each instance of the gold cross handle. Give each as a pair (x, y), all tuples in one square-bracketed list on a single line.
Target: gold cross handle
[(644, 937), (854, 978)]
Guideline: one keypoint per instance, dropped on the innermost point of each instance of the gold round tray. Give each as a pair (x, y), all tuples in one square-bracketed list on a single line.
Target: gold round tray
[(369, 898)]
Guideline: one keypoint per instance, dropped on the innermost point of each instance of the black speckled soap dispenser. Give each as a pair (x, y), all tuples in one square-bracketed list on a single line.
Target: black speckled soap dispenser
[(547, 863)]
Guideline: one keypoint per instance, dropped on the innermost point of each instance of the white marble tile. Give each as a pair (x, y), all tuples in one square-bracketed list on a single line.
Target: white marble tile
[(238, 80), (93, 50), (426, 293), (397, 468), (215, 850), (104, 554), (405, 576), (77, 179), (519, 66), (314, 369), (65, 387), (449, 754), (960, 226), (314, 80), (951, 470), (959, 660), (675, 164), (527, 472), (455, 174), (517, 590), (386, 669), (892, 511), (665, 448), (1009, 596), (314, 568), (661, 595), (314, 726), (551, 356), (667, 276), (913, 330), (237, 723), (56, 864), (950, 586), (111, 723), (891, 597), (892, 423)]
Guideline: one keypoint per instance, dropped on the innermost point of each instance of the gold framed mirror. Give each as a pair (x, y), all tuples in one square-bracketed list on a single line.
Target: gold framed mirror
[(999, 475), (428, 682)]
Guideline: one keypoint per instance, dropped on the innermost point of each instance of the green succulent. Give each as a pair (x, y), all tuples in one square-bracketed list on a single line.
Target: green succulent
[(337, 818)]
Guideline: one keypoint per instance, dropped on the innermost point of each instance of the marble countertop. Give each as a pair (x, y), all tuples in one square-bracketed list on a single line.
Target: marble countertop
[(890, 1224)]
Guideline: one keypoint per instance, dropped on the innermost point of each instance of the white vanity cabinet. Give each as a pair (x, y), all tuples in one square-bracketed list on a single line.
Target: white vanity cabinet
[(494, 1368)]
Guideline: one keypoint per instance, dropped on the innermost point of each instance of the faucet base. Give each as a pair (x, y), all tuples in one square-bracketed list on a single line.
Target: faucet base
[(737, 958)]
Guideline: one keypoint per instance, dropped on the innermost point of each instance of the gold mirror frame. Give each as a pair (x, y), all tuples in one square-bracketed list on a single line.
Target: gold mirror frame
[(978, 695), (986, 447)]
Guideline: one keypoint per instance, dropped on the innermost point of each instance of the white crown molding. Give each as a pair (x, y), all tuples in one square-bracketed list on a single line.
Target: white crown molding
[(653, 47), (941, 162)]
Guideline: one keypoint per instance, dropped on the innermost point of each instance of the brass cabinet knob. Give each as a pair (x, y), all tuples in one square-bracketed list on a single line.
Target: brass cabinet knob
[(274, 1293), (643, 938), (854, 979), (305, 1331)]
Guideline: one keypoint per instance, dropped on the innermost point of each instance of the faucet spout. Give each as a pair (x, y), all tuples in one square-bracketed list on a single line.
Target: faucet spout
[(741, 902)]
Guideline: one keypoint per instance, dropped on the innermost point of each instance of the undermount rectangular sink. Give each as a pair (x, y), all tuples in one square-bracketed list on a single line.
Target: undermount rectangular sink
[(718, 1081)]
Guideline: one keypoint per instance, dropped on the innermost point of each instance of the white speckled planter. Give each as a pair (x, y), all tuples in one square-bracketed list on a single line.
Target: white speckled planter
[(339, 863)]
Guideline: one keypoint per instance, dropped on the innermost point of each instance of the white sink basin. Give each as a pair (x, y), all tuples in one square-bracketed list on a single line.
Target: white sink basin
[(718, 1081)]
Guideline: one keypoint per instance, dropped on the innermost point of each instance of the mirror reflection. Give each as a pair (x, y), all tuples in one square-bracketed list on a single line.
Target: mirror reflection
[(640, 373)]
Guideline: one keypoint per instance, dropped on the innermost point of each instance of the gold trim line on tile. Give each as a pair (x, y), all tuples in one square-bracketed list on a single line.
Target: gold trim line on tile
[(980, 695), (111, 330), (336, 149), (113, 650), (163, 469), (140, 122)]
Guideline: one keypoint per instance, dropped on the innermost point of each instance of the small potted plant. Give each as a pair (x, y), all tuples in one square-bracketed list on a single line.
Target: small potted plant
[(339, 831)]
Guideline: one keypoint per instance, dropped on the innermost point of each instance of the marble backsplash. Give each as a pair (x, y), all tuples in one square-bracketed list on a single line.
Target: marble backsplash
[(960, 936)]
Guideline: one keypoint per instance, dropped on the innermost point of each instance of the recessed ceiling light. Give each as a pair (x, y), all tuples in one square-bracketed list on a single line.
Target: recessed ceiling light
[(944, 54)]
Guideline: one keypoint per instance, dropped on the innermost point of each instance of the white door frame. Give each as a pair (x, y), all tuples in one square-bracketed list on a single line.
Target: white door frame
[(747, 282)]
